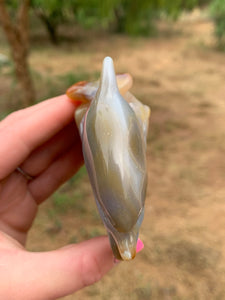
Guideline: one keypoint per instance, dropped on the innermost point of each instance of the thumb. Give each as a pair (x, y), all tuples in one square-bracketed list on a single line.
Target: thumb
[(54, 274)]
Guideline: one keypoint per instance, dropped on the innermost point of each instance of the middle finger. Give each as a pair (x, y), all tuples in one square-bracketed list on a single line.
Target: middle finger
[(41, 158)]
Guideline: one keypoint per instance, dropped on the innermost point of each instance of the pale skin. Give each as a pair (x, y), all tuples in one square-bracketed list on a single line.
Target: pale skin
[(43, 140)]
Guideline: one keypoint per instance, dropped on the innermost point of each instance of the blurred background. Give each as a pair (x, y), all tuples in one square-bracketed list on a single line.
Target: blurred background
[(175, 51)]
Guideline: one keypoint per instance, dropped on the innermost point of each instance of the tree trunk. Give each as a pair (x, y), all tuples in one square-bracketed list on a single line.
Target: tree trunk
[(18, 38), (52, 31), (120, 19), (23, 75), (51, 27)]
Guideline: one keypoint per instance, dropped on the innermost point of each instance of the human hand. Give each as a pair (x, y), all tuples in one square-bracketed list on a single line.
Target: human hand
[(44, 142)]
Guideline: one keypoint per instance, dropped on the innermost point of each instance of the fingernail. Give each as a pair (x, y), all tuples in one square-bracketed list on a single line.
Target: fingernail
[(139, 245)]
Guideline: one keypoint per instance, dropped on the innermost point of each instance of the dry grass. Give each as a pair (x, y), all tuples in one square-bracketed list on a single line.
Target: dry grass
[(182, 79)]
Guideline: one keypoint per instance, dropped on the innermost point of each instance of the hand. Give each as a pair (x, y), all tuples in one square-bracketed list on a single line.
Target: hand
[(43, 141)]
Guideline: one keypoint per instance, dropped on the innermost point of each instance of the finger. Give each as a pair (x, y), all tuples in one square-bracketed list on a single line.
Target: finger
[(25, 130), (54, 274), (41, 158), (58, 172)]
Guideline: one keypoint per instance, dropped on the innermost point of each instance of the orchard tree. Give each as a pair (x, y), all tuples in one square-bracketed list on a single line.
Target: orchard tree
[(127, 16), (52, 13), (217, 10), (16, 29)]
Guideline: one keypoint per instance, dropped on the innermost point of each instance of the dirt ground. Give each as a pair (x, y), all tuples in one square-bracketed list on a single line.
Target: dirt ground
[(181, 76)]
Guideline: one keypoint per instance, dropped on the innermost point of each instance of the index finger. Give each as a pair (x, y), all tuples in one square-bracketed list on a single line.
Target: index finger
[(25, 130)]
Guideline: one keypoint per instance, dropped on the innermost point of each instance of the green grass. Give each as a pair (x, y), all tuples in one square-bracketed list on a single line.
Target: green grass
[(72, 77), (91, 231), (64, 202), (71, 196), (56, 224), (78, 177), (73, 239), (47, 86)]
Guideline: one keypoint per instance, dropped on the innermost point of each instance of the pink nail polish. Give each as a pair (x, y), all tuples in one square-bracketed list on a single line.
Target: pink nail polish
[(139, 246)]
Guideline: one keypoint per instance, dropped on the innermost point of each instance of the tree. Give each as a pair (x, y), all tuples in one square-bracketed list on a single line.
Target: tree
[(52, 13), (130, 16), (217, 10), (18, 38), (127, 16)]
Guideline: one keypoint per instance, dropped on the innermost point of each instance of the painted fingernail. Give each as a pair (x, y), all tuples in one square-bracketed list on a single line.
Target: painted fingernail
[(139, 246)]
